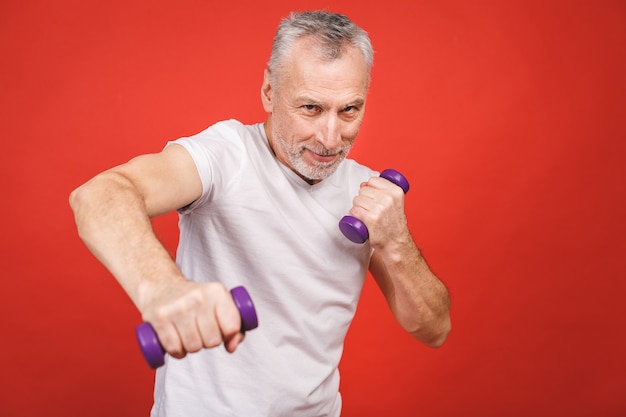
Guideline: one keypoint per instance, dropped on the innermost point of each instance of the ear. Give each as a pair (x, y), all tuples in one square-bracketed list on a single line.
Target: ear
[(267, 92)]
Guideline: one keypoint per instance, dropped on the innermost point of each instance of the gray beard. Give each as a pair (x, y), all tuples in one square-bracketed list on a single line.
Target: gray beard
[(315, 170)]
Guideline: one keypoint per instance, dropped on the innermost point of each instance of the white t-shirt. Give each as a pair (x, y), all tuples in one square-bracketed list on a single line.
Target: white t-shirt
[(259, 225)]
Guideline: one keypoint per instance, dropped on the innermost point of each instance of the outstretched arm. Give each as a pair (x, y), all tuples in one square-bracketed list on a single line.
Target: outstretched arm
[(112, 213)]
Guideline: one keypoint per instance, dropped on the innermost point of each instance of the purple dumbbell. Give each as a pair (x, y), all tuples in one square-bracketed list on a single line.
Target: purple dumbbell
[(353, 228), (154, 353)]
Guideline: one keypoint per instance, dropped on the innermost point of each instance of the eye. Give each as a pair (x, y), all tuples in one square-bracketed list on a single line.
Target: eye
[(311, 108), (350, 111)]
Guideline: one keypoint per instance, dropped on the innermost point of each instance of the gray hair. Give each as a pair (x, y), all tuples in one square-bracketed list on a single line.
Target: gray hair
[(333, 32)]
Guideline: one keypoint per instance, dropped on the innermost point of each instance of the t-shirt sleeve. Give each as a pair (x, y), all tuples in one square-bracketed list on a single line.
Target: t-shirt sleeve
[(218, 154)]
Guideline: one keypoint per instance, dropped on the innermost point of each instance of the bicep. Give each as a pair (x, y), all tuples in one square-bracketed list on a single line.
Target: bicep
[(166, 181)]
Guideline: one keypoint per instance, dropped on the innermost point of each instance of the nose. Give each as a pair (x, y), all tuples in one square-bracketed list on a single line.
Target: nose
[(330, 132)]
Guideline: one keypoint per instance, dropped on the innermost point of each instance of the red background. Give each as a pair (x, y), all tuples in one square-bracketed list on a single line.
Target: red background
[(507, 117)]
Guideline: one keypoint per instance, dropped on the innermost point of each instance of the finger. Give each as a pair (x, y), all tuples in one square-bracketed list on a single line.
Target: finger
[(377, 188), (228, 317), (189, 335), (232, 343), (221, 321), (209, 329), (169, 339), (383, 183), (368, 202)]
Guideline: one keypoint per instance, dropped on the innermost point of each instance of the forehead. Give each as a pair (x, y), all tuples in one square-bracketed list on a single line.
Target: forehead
[(308, 73)]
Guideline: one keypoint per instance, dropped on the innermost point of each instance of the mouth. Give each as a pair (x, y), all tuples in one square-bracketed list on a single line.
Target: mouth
[(323, 157)]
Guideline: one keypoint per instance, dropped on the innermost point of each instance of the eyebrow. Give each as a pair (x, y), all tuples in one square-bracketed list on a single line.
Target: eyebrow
[(357, 103), (310, 100)]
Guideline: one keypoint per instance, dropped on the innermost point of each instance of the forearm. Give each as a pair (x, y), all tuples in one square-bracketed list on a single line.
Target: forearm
[(113, 222), (418, 299)]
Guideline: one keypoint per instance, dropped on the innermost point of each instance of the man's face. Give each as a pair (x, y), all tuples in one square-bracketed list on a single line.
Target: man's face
[(316, 109)]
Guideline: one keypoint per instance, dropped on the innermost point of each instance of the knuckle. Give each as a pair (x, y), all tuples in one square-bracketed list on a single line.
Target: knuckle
[(193, 346), (216, 287), (387, 199), (213, 340), (194, 299), (156, 314), (174, 349)]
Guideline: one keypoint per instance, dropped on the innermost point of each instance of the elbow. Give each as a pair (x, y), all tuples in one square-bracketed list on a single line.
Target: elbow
[(80, 199), (435, 335), (77, 201), (86, 203), (91, 196), (74, 200), (439, 339)]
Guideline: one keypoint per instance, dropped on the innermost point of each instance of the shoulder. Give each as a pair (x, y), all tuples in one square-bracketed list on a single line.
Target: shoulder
[(234, 128), (220, 153), (226, 130), (227, 136), (352, 170)]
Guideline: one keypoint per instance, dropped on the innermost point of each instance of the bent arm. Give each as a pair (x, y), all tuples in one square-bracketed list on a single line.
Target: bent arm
[(417, 298)]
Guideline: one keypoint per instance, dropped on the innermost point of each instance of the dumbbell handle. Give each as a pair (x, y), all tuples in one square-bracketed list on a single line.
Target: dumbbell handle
[(353, 228), (154, 353)]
